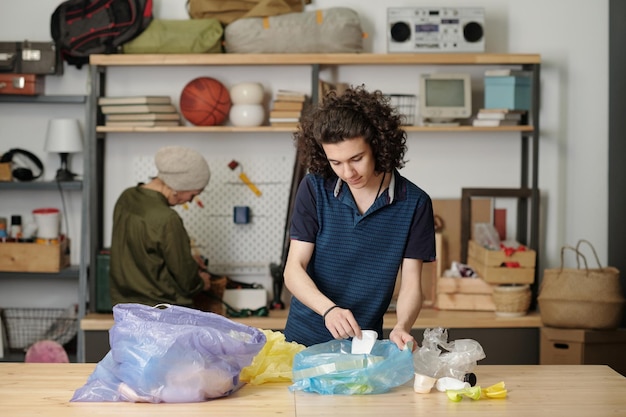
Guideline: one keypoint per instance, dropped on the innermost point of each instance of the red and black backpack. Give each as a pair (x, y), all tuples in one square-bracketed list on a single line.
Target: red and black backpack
[(84, 27)]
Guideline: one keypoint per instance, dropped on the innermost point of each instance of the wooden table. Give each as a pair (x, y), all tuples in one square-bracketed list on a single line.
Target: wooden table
[(28, 390)]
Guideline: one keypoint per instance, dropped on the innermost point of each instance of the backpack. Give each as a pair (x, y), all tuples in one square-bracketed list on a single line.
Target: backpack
[(84, 27)]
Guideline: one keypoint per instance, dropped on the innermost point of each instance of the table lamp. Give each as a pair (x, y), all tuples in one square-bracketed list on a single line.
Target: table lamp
[(64, 137)]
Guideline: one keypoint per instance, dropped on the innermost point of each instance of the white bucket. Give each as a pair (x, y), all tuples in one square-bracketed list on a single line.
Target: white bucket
[(48, 222)]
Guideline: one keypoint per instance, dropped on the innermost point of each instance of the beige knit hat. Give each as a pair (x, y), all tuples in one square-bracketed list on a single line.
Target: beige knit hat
[(182, 169)]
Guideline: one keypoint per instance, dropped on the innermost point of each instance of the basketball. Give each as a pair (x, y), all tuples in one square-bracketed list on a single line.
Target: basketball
[(205, 102)]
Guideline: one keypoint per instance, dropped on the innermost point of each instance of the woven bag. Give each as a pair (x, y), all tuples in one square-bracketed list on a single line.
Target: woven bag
[(581, 298)]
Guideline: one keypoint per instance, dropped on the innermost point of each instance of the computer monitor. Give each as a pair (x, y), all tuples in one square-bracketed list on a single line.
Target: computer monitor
[(445, 98)]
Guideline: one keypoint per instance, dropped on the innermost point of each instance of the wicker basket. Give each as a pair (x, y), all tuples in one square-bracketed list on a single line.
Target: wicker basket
[(25, 326), (582, 297), (511, 300)]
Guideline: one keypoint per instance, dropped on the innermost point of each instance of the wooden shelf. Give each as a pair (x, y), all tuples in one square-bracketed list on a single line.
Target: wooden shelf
[(69, 272), (193, 129), (311, 59), (52, 99), (269, 129), (41, 185)]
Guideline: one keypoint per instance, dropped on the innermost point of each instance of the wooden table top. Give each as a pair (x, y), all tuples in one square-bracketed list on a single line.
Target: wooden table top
[(28, 390), (428, 318)]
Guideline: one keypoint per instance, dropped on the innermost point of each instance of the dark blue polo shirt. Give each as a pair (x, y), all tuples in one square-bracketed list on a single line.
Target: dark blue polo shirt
[(357, 257)]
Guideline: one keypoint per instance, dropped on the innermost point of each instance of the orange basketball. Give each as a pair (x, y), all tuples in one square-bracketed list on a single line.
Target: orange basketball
[(205, 102)]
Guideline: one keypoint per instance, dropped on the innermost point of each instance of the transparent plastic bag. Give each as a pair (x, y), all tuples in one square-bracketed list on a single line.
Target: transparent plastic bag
[(171, 354), (330, 368), (439, 358)]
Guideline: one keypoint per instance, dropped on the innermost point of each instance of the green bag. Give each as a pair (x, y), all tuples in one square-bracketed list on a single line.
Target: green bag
[(193, 36)]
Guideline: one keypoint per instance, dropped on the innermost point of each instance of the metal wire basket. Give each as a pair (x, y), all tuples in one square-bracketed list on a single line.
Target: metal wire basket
[(406, 105), (25, 326)]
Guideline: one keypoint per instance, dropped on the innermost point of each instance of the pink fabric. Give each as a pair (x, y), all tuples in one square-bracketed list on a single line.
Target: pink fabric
[(46, 351)]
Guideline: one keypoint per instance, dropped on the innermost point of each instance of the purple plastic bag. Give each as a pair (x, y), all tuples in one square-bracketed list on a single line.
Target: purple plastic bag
[(171, 354)]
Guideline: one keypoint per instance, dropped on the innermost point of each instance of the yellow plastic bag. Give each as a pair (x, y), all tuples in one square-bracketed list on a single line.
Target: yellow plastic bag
[(274, 362)]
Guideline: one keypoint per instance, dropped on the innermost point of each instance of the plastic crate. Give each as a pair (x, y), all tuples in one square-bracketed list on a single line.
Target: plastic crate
[(25, 326)]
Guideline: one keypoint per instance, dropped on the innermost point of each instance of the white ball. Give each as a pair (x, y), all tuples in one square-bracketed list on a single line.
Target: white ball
[(247, 93), (247, 114)]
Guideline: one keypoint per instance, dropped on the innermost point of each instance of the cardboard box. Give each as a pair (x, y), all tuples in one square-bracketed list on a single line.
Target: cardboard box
[(583, 347), (34, 257), (508, 93), (464, 294)]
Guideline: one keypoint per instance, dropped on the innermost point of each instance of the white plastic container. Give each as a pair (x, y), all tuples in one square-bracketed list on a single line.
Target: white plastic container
[(423, 383), (48, 222)]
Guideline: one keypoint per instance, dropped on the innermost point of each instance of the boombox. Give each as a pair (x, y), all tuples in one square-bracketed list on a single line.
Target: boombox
[(435, 29)]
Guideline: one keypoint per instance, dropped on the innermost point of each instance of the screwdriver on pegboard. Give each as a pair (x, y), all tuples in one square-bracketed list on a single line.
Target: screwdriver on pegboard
[(243, 177)]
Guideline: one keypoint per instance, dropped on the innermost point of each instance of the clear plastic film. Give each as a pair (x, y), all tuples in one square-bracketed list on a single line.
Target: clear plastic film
[(439, 358)]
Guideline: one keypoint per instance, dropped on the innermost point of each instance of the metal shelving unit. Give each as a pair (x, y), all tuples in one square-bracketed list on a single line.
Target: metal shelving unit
[(79, 271), (528, 216)]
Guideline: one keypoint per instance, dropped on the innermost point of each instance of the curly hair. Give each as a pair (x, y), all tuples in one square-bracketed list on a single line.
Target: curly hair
[(353, 114)]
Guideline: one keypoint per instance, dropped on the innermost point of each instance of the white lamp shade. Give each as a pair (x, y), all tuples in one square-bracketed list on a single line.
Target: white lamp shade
[(64, 136)]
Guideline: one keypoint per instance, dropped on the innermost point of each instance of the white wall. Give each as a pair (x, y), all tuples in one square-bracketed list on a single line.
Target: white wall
[(573, 142)]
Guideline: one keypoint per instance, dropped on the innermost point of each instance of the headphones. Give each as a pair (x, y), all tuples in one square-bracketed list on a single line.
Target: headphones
[(21, 173)]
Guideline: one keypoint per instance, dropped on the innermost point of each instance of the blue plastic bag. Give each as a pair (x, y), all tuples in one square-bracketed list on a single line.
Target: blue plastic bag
[(171, 354), (330, 368)]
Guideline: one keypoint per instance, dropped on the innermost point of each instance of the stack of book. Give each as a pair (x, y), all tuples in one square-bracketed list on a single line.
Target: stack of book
[(139, 111), (498, 117), (507, 72), (287, 108)]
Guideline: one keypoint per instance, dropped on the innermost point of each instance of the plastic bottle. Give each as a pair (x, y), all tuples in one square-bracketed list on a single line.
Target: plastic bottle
[(16, 226)]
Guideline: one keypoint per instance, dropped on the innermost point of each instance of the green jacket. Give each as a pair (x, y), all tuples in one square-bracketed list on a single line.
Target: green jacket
[(151, 260)]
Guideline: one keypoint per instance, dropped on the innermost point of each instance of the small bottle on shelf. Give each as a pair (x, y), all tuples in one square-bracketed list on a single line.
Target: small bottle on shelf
[(3, 229), (16, 227)]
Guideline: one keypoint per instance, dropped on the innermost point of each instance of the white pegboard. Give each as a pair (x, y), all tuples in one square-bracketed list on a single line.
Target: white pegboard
[(236, 249)]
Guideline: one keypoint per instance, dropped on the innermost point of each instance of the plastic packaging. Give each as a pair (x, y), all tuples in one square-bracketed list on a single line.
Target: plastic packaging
[(445, 383), (439, 358), (330, 368), (274, 362), (172, 354), (486, 235)]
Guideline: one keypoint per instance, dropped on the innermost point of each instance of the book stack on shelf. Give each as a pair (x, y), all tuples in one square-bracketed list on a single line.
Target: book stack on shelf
[(139, 111), (287, 108), (498, 117)]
